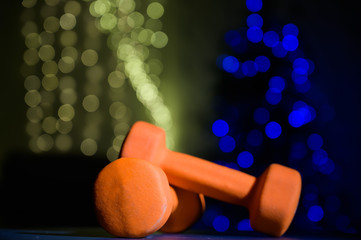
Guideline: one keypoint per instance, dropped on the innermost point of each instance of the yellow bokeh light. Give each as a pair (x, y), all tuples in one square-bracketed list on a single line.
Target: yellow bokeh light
[(32, 40), (91, 103), (49, 125), (147, 92), (33, 129), (159, 39), (89, 147), (52, 2), (70, 52), (108, 21), (68, 38), (72, 7), (32, 98), (116, 79), (112, 154), (66, 112), (29, 3), (67, 21), (50, 82), (32, 82), (49, 68), (29, 27), (51, 24), (31, 57), (46, 52), (67, 82), (117, 142), (117, 110), (68, 96), (89, 57), (135, 19), (145, 36), (35, 114), (63, 127), (66, 64), (63, 142), (45, 142), (126, 6), (155, 10), (120, 128)]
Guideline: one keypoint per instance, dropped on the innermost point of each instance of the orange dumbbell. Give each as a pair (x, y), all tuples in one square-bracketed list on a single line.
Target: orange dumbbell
[(272, 198), (133, 199)]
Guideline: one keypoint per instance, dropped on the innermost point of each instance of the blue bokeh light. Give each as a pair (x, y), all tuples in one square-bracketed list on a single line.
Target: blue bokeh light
[(254, 20), (279, 51), (273, 130), (245, 159), (299, 117), (300, 66), (299, 78), (290, 29), (230, 64), (303, 88), (273, 96), (261, 116), (290, 43), (244, 225), (311, 67), (221, 223), (220, 128), (232, 38), (277, 83), (263, 63), (255, 138), (315, 213), (227, 144), (249, 68), (254, 5), (271, 39), (314, 141), (254, 34), (328, 167), (319, 157)]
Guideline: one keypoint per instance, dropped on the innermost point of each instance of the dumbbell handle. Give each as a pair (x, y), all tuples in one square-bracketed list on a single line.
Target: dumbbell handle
[(201, 176)]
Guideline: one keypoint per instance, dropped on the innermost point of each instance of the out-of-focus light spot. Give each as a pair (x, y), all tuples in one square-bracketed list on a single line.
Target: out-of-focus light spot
[(50, 82), (66, 112), (155, 10), (290, 43), (45, 142), (244, 225), (232, 38), (245, 159), (220, 128), (49, 125), (29, 3), (263, 63), (221, 223), (72, 7), (299, 117), (31, 57), (273, 96), (227, 144), (249, 68), (67, 21), (91, 103), (303, 88), (63, 142), (88, 147), (314, 141), (70, 52), (68, 96), (108, 21), (299, 78), (254, 20), (271, 39), (273, 130), (66, 64), (332, 203), (277, 83), (230, 64), (328, 167), (136, 19), (300, 66), (32, 40), (261, 116), (298, 150), (32, 82), (89, 57), (46, 52), (315, 213), (319, 157), (51, 24), (64, 127), (35, 114), (254, 34), (52, 3), (254, 5), (255, 138), (32, 98), (117, 110), (116, 79), (299, 104), (290, 29), (49, 68), (342, 223), (159, 39), (279, 51), (311, 66)]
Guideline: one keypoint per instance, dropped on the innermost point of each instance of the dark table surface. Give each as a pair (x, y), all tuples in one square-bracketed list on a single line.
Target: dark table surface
[(100, 234)]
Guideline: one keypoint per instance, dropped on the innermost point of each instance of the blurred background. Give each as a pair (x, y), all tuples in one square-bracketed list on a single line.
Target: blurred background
[(242, 83)]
